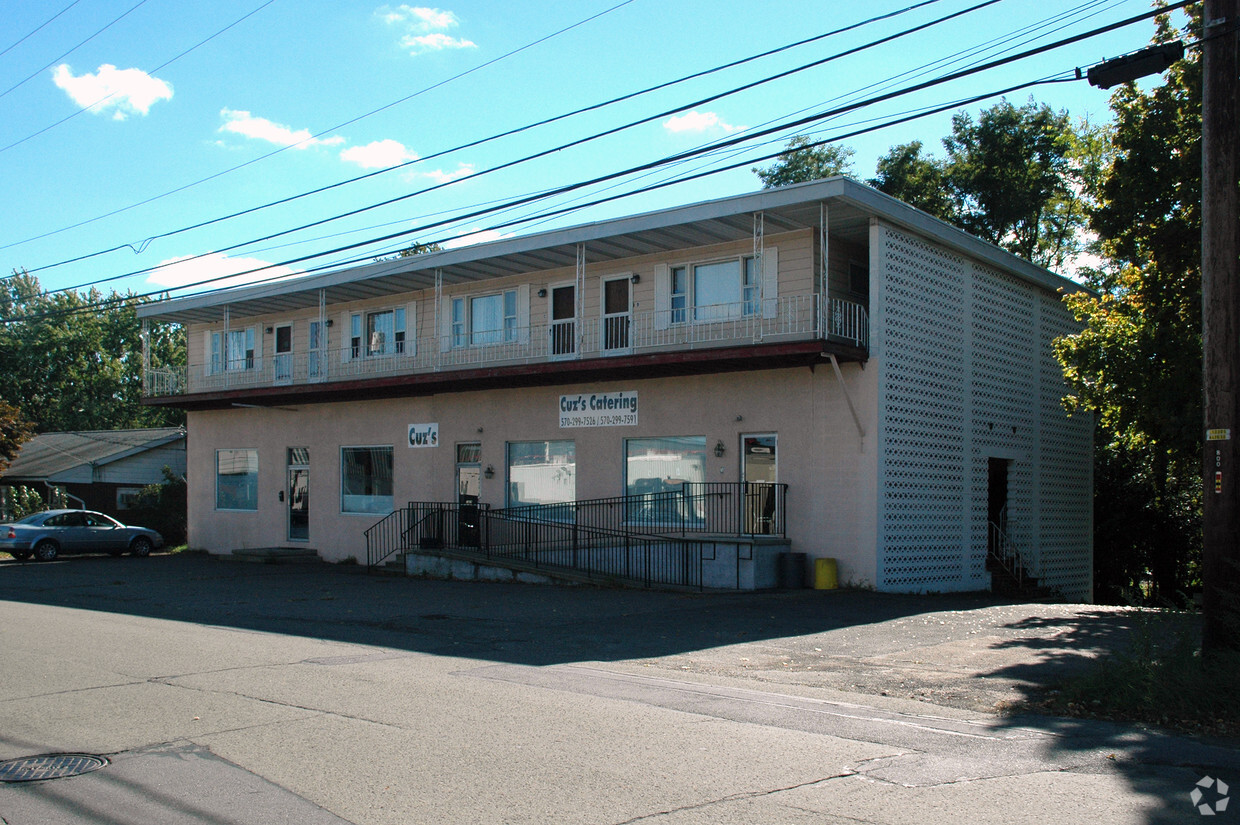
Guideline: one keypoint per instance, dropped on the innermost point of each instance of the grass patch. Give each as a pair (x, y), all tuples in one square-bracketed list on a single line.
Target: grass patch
[(1161, 679)]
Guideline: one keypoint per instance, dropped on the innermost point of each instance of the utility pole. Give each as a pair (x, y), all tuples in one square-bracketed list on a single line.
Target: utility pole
[(1220, 298)]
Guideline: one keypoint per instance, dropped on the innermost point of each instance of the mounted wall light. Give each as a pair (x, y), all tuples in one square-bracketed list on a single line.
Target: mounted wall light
[(637, 279), (330, 322), (489, 472), (268, 330), (542, 293), (719, 450)]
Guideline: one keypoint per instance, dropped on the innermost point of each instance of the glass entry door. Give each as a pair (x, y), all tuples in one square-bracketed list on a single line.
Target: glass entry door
[(468, 492), (299, 494), (759, 472)]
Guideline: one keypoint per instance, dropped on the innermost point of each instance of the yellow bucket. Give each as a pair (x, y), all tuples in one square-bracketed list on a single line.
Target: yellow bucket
[(826, 574)]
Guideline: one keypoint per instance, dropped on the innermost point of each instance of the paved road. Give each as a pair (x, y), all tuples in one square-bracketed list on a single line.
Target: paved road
[(231, 693)]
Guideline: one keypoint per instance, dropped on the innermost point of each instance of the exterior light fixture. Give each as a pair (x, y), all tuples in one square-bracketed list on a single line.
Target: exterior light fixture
[(542, 293), (719, 450), (637, 279), (489, 472)]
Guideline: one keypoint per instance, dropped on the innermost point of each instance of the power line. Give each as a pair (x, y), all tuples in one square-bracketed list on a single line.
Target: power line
[(684, 155), (441, 153), (75, 48), (275, 152), (691, 153), (163, 65), (39, 28), (540, 154)]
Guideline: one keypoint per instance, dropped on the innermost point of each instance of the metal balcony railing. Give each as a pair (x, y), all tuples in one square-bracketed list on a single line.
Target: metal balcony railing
[(788, 318)]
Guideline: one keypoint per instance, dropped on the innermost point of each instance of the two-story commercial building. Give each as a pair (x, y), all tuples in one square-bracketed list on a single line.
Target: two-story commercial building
[(885, 381)]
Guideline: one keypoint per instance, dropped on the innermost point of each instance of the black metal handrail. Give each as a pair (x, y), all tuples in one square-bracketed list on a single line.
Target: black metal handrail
[(710, 507), (420, 524)]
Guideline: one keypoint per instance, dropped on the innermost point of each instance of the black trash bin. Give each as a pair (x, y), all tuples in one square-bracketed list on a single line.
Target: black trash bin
[(792, 571)]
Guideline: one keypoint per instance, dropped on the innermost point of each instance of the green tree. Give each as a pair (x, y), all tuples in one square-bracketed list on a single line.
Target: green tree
[(1015, 177), (801, 162), (13, 431), (1137, 363), (74, 361)]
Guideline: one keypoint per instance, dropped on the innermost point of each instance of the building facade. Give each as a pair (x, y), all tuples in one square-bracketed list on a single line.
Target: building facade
[(894, 375)]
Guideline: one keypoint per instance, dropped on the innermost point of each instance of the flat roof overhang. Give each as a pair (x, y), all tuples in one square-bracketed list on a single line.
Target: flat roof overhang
[(542, 374)]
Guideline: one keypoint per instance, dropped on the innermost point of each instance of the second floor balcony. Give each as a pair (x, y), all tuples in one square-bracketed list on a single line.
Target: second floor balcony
[(266, 362)]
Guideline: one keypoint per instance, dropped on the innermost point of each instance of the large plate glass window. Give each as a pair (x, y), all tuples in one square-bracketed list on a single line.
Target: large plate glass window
[(236, 479), (542, 473), (663, 478), (366, 479)]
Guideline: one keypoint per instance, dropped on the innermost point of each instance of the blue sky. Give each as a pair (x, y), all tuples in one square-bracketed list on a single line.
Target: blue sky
[(120, 124)]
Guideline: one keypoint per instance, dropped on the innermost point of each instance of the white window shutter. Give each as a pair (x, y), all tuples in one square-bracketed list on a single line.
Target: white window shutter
[(346, 337), (445, 324), (258, 348), (770, 282), (662, 296), (523, 313), (207, 363), (411, 328)]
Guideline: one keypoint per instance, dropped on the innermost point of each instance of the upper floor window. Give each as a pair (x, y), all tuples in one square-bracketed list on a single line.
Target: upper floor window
[(714, 291), (379, 333), (233, 349), (484, 319)]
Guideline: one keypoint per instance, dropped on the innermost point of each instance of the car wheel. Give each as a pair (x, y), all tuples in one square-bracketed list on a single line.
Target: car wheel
[(141, 547), (46, 550)]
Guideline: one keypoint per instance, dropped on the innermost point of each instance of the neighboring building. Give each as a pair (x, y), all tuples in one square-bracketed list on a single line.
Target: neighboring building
[(894, 372), (99, 470)]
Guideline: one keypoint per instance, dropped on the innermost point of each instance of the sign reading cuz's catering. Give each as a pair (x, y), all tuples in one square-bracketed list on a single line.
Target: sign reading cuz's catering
[(604, 409)]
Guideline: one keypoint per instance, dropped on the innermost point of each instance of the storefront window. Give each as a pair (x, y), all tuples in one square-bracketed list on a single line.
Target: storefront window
[(541, 472), (664, 476), (366, 479), (236, 479)]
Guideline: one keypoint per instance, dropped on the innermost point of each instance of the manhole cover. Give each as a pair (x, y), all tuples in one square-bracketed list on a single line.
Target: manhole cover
[(51, 766)]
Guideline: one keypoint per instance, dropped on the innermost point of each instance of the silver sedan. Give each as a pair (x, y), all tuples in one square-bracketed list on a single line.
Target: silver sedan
[(48, 534)]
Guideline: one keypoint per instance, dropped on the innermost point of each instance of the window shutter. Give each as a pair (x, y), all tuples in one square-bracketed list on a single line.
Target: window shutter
[(662, 296), (411, 328), (445, 324), (770, 282), (258, 348), (346, 337), (207, 363), (523, 313)]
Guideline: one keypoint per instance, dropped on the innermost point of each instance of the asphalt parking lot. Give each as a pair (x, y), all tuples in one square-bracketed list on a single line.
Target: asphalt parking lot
[(375, 699)]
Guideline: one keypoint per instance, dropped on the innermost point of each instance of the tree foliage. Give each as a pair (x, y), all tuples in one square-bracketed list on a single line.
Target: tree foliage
[(1015, 176), (13, 431), (801, 162), (73, 361), (1137, 363)]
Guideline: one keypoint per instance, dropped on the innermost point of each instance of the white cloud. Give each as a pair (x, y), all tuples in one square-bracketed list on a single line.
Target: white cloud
[(424, 28), (379, 154), (476, 237), (179, 272), (260, 128), (440, 176), (695, 121), (435, 42), (121, 92)]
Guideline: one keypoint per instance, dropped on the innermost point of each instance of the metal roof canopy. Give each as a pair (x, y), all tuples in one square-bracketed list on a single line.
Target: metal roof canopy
[(850, 205)]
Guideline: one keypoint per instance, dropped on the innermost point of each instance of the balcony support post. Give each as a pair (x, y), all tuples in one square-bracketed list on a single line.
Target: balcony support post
[(835, 365), (579, 294)]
